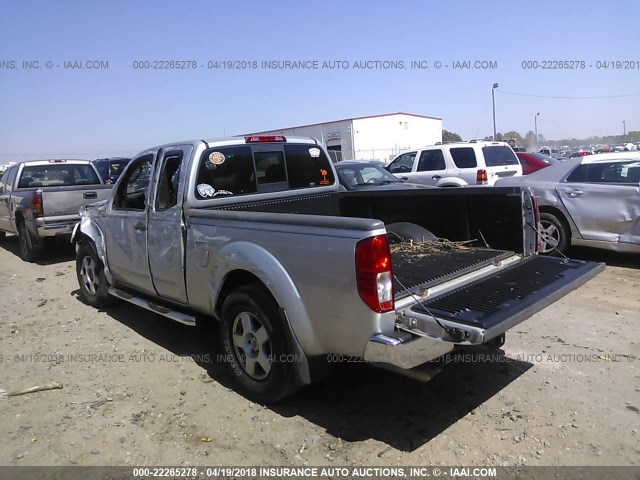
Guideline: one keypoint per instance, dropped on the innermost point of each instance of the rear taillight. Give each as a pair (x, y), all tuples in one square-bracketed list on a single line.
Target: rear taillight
[(536, 219), (373, 273), (481, 177), (36, 204)]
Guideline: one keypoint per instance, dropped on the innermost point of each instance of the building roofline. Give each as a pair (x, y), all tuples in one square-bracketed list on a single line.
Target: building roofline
[(344, 120)]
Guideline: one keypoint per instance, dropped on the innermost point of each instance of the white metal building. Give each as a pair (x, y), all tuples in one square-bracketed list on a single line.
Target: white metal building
[(375, 137)]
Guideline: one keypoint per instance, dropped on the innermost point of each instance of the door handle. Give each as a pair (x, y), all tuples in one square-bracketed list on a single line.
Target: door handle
[(574, 193), (436, 177), (90, 195), (139, 227)]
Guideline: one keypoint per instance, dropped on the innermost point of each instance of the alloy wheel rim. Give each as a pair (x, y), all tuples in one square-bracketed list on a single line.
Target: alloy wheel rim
[(89, 276), (252, 345), (550, 236)]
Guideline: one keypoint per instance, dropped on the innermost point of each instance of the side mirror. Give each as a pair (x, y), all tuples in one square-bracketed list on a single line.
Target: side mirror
[(1, 189)]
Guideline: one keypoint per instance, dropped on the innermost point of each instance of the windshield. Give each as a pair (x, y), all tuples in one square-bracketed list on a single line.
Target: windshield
[(367, 174)]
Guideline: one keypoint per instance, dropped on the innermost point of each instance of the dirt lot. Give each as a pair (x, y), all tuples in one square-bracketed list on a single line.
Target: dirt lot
[(568, 392)]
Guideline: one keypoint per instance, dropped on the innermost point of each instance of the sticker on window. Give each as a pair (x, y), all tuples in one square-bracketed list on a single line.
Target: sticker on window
[(324, 180), (217, 158), (314, 152), (207, 191)]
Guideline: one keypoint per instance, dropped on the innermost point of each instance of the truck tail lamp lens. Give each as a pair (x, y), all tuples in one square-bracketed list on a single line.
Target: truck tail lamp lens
[(481, 177), (374, 274), (36, 204), (264, 138)]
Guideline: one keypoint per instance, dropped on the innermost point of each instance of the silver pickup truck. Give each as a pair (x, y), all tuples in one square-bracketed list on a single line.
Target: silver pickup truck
[(42, 198), (254, 233)]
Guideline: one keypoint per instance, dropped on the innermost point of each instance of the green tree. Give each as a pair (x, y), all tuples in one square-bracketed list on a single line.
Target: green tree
[(450, 136), (516, 136)]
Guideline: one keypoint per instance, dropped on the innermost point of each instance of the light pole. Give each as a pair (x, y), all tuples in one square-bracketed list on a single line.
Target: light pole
[(624, 129), (493, 101), (535, 123)]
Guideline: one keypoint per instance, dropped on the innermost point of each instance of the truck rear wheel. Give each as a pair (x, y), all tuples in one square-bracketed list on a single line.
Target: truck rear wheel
[(404, 232), (255, 345), (29, 250), (94, 288)]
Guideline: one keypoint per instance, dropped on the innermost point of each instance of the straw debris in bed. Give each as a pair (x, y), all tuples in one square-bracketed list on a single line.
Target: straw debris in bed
[(426, 249)]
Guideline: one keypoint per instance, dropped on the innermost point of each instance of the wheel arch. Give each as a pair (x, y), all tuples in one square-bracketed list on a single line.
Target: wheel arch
[(449, 182), (88, 232), (287, 299), (559, 214)]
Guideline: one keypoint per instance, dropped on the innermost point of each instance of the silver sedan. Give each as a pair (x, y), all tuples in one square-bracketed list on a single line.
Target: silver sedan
[(592, 201)]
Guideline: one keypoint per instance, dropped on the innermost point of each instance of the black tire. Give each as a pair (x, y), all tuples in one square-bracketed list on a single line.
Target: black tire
[(554, 232), (30, 251), (257, 357), (94, 288), (405, 231)]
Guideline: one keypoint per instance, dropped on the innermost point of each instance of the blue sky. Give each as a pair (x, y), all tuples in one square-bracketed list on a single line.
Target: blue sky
[(124, 110)]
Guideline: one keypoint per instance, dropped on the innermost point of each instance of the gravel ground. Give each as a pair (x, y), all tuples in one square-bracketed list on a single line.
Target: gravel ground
[(141, 390)]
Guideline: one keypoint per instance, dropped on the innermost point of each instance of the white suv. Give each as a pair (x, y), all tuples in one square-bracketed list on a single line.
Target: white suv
[(457, 164)]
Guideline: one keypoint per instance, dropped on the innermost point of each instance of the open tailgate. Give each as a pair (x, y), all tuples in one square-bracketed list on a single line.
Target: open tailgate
[(490, 306)]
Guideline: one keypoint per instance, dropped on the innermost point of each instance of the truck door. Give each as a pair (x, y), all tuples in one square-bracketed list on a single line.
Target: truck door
[(126, 227), (603, 199), (6, 185), (166, 229), (431, 168)]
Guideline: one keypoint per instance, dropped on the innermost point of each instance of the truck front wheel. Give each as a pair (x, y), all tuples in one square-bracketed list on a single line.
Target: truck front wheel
[(94, 287), (255, 346), (29, 250)]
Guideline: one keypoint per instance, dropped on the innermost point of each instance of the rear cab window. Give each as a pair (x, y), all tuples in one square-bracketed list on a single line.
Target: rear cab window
[(57, 175), (261, 168), (499, 156)]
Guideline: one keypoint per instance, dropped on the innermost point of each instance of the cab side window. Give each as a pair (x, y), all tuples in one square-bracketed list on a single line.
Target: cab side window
[(403, 164), (133, 191), (431, 160), (167, 194), (464, 157), (615, 172), (8, 178)]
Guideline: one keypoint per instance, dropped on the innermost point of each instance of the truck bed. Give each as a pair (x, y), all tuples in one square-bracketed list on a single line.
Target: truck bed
[(419, 266)]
